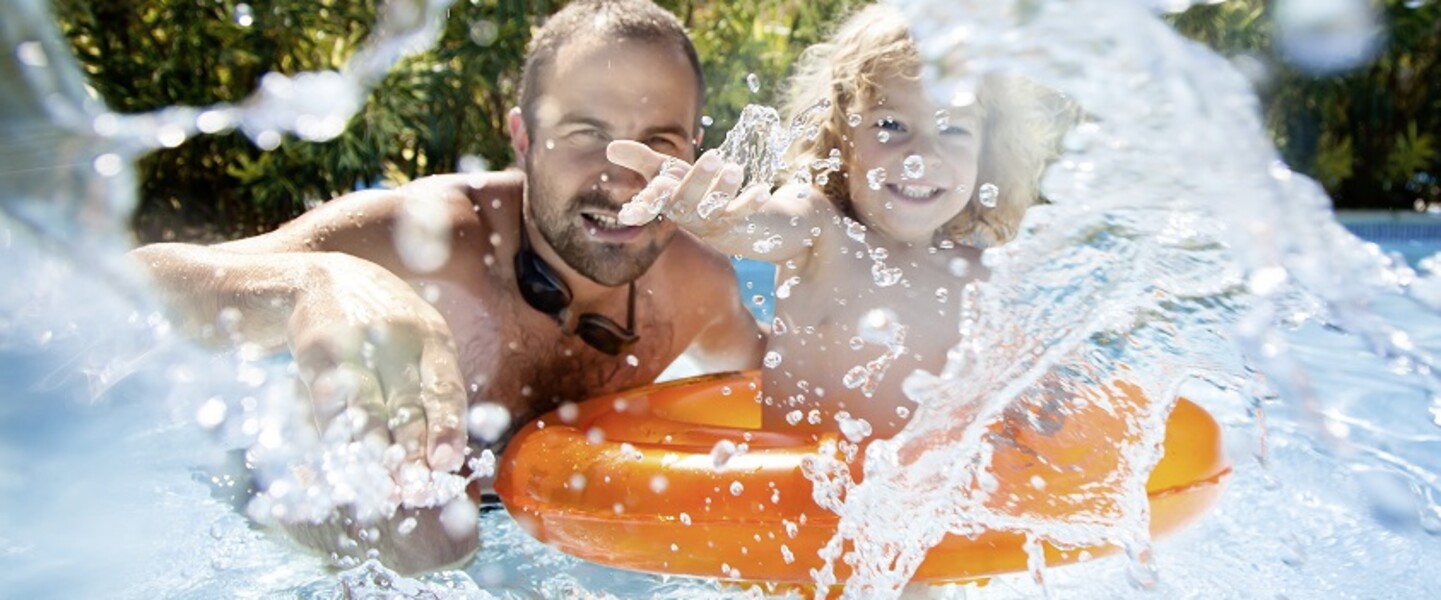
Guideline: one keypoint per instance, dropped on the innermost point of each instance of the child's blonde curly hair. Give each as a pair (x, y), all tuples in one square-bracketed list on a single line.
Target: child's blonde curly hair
[(1021, 121)]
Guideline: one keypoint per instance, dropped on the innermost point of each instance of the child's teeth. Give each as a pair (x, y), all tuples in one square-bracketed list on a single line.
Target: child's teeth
[(917, 191)]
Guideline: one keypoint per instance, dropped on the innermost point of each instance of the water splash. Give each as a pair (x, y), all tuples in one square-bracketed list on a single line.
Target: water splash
[(1170, 264), (1142, 272)]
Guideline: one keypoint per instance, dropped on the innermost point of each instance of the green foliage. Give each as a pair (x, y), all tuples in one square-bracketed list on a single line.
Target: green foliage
[(764, 38), (1365, 134), (429, 113)]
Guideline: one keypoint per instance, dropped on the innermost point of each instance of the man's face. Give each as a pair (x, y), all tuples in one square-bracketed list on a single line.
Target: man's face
[(597, 92)]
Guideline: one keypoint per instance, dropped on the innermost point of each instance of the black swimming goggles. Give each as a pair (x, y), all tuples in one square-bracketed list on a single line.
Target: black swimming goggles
[(544, 291)]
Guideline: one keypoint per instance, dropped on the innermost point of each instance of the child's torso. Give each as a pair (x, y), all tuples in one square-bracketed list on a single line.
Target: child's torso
[(851, 325)]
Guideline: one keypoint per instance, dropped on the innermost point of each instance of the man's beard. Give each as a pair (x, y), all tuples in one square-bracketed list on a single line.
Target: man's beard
[(605, 263)]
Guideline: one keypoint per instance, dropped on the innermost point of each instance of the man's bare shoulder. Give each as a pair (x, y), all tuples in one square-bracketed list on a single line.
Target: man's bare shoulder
[(488, 199)]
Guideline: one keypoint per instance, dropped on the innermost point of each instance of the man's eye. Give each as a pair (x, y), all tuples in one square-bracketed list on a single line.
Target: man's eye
[(591, 135), (662, 144), (889, 123)]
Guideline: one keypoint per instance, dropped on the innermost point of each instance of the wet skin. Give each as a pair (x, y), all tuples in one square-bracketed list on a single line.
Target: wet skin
[(822, 314), (395, 354)]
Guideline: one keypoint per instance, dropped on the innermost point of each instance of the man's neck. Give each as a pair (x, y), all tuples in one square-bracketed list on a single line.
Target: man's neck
[(586, 294)]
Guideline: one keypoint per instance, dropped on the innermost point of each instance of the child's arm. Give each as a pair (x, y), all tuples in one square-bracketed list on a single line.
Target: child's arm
[(702, 198)]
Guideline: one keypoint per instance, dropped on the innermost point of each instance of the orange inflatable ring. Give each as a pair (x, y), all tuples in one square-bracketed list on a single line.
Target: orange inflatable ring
[(628, 480)]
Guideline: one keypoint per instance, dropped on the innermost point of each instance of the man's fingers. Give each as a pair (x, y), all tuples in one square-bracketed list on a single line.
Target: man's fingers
[(349, 405), (443, 396), (407, 422), (749, 200), (722, 191), (637, 157), (692, 189)]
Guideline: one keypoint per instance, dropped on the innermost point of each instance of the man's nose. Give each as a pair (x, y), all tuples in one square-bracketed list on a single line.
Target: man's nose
[(621, 183)]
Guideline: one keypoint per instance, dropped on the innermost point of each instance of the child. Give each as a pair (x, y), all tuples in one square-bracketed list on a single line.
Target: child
[(881, 186)]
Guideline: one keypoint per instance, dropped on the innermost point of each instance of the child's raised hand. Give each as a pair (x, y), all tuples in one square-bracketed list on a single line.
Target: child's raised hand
[(688, 194)]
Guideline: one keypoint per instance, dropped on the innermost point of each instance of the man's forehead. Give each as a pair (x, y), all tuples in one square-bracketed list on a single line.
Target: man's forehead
[(591, 74), (589, 50)]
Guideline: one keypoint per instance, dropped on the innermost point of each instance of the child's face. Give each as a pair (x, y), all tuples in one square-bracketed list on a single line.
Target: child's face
[(914, 163)]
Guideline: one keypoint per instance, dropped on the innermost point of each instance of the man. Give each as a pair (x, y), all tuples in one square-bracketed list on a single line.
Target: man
[(543, 296)]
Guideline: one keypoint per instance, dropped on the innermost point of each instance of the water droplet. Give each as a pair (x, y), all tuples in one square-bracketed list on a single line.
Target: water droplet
[(766, 245), (854, 120), (885, 276), (883, 137), (855, 430), (737, 488), (794, 417), (568, 411), (244, 15), (959, 267), (659, 483), (856, 231), (631, 360), (484, 32), (758, 300), (856, 343), (786, 555), (213, 121), (706, 121), (422, 234), (942, 294), (753, 82), (988, 195), (712, 202), (1266, 280), (914, 167), (488, 421), (903, 412), (685, 519), (856, 377), (778, 326), (471, 164), (722, 453), (211, 413), (1326, 36), (772, 359), (33, 54), (876, 177), (783, 290), (108, 164), (576, 482)]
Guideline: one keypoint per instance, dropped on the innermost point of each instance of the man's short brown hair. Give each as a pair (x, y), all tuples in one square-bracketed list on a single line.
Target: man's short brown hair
[(632, 20)]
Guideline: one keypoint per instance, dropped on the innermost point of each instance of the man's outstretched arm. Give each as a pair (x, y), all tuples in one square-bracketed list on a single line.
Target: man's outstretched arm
[(378, 360)]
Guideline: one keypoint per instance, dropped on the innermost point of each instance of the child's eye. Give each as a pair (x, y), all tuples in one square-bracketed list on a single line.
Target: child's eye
[(955, 130), (891, 124)]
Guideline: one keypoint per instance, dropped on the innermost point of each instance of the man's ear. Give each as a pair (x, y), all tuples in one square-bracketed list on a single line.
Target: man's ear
[(519, 137)]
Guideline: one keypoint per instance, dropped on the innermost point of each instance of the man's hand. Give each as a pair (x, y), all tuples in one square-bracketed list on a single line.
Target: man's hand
[(379, 362), (385, 392), (700, 197)]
